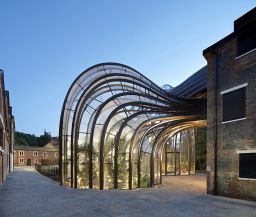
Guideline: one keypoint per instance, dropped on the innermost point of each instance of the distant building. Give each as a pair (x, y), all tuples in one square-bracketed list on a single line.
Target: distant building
[(7, 129), (29, 155), (55, 142)]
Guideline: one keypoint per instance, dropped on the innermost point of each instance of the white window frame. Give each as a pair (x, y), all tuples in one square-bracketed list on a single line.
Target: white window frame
[(246, 151), (228, 91), (35, 153), (21, 160), (44, 154), (244, 54), (21, 153)]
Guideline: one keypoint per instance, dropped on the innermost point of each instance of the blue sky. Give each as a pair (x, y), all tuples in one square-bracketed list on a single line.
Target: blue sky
[(45, 45)]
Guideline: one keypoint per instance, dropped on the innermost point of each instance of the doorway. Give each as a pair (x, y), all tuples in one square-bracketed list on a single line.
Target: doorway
[(28, 162)]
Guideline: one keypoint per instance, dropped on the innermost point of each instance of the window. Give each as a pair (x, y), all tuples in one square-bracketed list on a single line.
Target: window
[(234, 103), (21, 160), (35, 153), (56, 154), (21, 153), (44, 154), (246, 41), (247, 165)]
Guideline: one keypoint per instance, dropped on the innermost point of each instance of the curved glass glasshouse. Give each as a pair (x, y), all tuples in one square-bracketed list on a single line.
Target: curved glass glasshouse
[(120, 130)]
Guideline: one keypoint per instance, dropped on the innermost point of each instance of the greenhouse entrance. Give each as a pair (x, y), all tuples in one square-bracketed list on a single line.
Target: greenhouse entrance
[(184, 160), (178, 157)]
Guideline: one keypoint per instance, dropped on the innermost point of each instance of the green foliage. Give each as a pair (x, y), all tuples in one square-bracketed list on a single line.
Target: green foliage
[(144, 183), (20, 140), (44, 139), (201, 141), (26, 139)]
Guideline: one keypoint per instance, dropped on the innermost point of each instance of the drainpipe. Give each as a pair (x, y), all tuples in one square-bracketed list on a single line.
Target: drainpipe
[(216, 121)]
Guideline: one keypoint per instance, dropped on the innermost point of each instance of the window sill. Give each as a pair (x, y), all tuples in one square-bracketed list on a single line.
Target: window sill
[(233, 88), (245, 151), (240, 119), (248, 52), (246, 179)]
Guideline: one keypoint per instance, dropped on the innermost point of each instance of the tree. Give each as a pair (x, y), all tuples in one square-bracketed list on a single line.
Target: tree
[(45, 138), (26, 139)]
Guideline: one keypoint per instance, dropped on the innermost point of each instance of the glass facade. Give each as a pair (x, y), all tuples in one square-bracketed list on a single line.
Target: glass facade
[(118, 129), (179, 154)]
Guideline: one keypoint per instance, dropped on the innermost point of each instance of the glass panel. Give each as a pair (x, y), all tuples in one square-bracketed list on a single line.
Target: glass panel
[(184, 153), (145, 170), (134, 175), (67, 161), (170, 163), (109, 151), (123, 171), (82, 172), (168, 145), (83, 161), (163, 162), (192, 152), (95, 170), (108, 174), (177, 163), (157, 164), (123, 157)]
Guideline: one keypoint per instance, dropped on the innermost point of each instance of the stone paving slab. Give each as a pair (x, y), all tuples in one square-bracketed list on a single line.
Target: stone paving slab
[(27, 193)]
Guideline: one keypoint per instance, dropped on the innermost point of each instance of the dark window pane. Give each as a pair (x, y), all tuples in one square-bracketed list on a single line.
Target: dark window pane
[(247, 166), (246, 41), (234, 105)]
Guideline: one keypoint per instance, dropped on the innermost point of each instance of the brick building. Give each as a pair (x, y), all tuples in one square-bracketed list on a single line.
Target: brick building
[(231, 112), (7, 129), (29, 156)]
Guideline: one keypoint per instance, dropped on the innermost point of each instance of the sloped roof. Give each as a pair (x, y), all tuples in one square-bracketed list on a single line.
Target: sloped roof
[(47, 147), (196, 83)]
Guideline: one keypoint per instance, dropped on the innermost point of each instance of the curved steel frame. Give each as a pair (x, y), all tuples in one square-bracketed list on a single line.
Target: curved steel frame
[(112, 107)]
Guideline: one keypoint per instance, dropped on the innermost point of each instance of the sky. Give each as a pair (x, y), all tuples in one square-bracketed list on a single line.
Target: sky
[(46, 44)]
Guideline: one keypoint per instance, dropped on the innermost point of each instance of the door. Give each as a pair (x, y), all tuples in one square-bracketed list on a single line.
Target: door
[(28, 162)]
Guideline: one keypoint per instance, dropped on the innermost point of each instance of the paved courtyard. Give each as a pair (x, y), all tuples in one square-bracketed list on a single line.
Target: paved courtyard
[(26, 193)]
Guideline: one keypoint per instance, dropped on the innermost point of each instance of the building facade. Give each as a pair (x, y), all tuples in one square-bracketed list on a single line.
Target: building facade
[(231, 112), (7, 129), (30, 156)]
